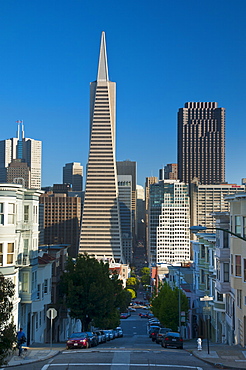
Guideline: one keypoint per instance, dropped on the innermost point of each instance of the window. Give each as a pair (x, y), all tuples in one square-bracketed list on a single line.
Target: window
[(244, 269), (226, 272), (202, 251), (26, 213), (34, 280), (10, 253), (11, 213), (239, 298), (219, 297), (231, 264), (244, 226), (238, 265), (1, 254), (238, 225), (45, 286), (36, 320), (25, 282), (1, 214), (39, 291)]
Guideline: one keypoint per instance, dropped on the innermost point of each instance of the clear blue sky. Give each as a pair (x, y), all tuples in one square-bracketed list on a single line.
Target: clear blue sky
[(161, 54)]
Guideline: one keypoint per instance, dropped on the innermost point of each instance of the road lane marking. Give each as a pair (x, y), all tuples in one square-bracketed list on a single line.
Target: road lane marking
[(123, 365), (118, 358)]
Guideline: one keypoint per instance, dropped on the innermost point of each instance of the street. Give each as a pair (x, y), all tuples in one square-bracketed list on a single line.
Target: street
[(135, 351)]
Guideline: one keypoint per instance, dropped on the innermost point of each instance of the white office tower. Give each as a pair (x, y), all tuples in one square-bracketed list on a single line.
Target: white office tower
[(173, 225), (20, 160), (101, 231)]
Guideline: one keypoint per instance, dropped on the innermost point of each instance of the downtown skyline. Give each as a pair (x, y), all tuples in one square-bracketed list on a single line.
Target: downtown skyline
[(161, 56)]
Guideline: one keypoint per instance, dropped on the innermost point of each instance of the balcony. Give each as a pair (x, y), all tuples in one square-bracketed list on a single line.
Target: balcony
[(222, 287), (223, 254)]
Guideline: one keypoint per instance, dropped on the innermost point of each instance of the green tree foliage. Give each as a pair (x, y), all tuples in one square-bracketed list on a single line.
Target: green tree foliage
[(7, 328), (145, 280), (165, 306), (132, 283), (132, 292), (145, 271), (91, 294)]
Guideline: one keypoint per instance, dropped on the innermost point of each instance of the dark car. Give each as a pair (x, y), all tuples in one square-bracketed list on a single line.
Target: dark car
[(78, 340), (93, 338), (172, 339), (162, 332), (153, 331)]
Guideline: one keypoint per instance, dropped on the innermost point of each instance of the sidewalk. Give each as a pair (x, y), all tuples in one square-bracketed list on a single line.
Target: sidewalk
[(37, 352), (222, 356)]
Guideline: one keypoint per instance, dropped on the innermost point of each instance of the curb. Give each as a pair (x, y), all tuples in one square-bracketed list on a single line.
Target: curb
[(32, 361)]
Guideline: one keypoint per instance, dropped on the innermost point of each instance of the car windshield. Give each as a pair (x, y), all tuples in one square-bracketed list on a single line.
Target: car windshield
[(78, 335), (173, 334)]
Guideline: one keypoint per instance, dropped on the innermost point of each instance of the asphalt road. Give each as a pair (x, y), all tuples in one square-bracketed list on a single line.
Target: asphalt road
[(135, 351)]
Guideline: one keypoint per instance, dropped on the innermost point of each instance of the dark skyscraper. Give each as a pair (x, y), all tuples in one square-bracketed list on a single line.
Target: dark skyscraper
[(201, 143)]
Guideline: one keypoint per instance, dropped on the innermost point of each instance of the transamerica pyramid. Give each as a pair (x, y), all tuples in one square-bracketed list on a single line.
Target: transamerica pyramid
[(100, 229)]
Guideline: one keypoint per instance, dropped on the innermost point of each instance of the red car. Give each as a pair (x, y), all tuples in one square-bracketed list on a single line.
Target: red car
[(78, 340)]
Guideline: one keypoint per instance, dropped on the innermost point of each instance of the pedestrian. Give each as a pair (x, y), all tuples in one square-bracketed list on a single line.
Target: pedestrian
[(21, 339)]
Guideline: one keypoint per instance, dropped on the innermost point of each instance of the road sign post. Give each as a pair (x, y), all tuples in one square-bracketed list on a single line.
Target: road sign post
[(207, 311), (51, 314)]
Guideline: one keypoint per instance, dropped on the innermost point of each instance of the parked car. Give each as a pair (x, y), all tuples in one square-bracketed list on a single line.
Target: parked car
[(162, 332), (124, 315), (172, 339), (144, 315), (93, 338), (107, 334), (153, 332), (120, 331), (101, 336), (78, 340), (110, 334)]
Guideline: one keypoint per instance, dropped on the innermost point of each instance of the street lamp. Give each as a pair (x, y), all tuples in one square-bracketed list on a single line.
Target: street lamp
[(206, 311), (199, 228)]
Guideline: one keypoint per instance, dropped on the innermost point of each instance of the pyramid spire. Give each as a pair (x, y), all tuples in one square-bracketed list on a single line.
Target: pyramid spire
[(102, 74)]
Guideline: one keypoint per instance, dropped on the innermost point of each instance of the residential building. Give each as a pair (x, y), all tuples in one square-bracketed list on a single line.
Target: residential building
[(19, 253), (24, 150), (201, 143), (236, 301), (169, 222), (205, 200), (73, 175), (101, 230), (125, 201)]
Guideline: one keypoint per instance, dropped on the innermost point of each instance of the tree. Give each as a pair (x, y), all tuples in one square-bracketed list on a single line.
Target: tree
[(132, 292), (7, 328), (132, 283), (145, 271), (165, 306), (90, 293)]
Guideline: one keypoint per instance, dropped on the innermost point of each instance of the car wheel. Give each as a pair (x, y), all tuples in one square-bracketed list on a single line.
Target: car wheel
[(165, 346), (153, 339), (181, 347), (162, 344)]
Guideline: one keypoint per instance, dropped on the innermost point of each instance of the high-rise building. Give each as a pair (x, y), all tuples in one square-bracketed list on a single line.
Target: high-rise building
[(100, 230), (73, 175), (26, 151), (169, 172), (205, 200), (169, 222), (125, 200), (61, 219), (201, 143), (148, 182), (130, 168)]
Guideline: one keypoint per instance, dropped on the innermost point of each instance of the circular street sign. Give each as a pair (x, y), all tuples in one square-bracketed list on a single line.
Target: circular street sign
[(51, 313)]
